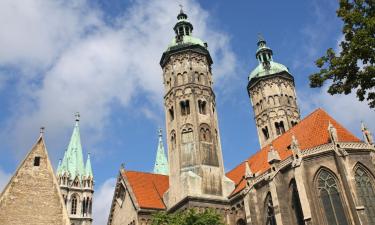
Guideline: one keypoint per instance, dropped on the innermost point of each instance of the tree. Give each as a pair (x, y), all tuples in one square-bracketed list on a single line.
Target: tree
[(189, 217), (353, 68)]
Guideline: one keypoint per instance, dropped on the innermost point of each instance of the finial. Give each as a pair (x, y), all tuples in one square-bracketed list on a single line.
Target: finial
[(42, 129), (181, 6), (77, 115), (160, 132), (260, 37), (122, 166)]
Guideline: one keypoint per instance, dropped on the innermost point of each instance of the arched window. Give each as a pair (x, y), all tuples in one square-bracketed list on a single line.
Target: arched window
[(185, 107), (269, 210), (205, 134), (83, 207), (280, 129), (330, 198), (173, 139), (295, 203), (365, 192), (74, 205), (202, 107), (171, 113), (265, 133)]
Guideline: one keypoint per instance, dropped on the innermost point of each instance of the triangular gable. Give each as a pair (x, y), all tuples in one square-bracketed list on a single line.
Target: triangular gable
[(33, 195), (310, 132)]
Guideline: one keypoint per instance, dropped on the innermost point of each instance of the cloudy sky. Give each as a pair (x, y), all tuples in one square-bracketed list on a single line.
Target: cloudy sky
[(100, 57)]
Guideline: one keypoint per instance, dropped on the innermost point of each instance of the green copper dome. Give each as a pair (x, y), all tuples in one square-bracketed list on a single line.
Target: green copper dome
[(266, 64), (186, 40), (273, 68)]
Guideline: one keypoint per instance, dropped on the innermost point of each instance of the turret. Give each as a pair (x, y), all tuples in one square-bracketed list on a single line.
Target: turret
[(161, 161), (272, 94)]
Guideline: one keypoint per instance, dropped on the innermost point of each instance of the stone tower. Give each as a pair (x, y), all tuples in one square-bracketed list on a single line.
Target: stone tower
[(273, 97), (76, 181), (33, 195), (161, 162), (194, 150)]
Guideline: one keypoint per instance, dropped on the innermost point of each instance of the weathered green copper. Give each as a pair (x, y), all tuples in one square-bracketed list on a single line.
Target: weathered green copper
[(266, 64), (161, 163), (73, 159), (183, 30), (88, 167)]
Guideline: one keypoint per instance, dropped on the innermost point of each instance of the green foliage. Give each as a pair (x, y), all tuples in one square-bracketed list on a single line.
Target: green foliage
[(353, 68), (189, 217)]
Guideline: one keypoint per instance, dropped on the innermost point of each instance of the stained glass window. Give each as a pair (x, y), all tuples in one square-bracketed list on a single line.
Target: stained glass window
[(365, 192), (331, 200), (296, 204)]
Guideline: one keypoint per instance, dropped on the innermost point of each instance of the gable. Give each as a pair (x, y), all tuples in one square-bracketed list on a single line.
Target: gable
[(33, 196)]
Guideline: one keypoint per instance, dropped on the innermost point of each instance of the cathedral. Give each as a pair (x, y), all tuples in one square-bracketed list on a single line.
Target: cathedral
[(308, 171)]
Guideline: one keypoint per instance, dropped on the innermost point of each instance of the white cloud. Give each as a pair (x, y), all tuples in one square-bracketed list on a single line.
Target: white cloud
[(102, 202), (346, 109), (4, 179), (80, 63)]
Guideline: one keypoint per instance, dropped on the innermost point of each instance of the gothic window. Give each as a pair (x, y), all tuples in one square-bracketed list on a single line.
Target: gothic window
[(90, 206), (265, 133), (185, 107), (74, 205), (365, 193), (296, 204), (171, 114), (202, 107), (330, 198), (280, 129), (37, 161), (84, 206), (269, 211)]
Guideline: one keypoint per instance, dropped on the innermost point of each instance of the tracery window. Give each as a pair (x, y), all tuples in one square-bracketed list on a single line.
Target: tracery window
[(269, 210), (330, 198), (74, 205), (365, 193), (296, 204)]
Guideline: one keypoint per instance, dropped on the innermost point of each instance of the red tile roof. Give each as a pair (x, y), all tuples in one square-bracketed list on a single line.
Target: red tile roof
[(310, 132), (148, 188)]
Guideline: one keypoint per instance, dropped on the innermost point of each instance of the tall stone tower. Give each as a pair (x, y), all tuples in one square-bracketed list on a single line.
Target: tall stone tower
[(194, 150), (76, 181), (273, 96)]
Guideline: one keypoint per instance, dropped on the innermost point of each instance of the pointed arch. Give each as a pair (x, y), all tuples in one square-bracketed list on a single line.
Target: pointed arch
[(295, 203), (74, 204), (269, 210), (364, 182), (329, 194)]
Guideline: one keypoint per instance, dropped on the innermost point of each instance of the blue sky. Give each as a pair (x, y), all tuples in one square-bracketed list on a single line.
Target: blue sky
[(101, 58)]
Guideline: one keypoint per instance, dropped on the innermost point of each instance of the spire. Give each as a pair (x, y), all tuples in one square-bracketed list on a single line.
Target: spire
[(88, 167), (161, 162), (73, 158)]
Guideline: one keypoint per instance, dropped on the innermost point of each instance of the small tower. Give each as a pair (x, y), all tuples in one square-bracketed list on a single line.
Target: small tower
[(272, 93), (194, 149), (76, 180), (161, 161)]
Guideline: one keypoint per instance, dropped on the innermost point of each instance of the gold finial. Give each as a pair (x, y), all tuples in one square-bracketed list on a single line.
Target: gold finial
[(77, 115)]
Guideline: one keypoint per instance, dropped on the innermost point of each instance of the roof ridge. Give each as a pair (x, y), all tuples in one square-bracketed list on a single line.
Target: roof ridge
[(147, 173)]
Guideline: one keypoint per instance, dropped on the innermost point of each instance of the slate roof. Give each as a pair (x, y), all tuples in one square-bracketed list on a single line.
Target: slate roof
[(310, 132)]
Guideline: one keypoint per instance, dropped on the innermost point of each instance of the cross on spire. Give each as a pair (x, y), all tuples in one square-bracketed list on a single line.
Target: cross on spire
[(42, 130), (77, 115)]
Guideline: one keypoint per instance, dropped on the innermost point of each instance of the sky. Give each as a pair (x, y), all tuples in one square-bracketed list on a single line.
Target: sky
[(101, 58)]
